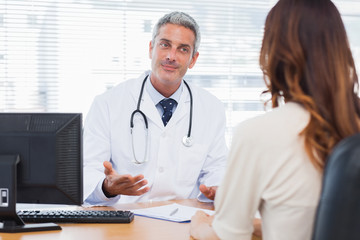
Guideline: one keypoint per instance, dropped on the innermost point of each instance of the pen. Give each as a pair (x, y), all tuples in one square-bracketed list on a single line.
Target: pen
[(174, 211)]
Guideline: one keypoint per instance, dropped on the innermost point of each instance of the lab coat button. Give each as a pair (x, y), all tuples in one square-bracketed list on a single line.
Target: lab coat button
[(161, 169)]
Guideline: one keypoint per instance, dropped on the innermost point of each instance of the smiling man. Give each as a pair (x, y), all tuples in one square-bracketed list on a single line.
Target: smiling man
[(156, 137)]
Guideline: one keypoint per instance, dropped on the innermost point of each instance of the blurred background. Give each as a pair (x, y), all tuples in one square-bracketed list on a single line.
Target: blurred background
[(56, 56)]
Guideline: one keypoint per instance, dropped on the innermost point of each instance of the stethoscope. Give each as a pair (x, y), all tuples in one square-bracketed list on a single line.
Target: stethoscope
[(187, 139)]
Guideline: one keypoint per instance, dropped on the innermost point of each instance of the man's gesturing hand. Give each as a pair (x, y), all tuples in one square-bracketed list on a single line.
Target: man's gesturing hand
[(208, 192), (115, 184)]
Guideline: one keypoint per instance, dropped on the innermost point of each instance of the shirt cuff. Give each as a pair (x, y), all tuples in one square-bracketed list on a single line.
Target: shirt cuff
[(98, 198), (201, 198)]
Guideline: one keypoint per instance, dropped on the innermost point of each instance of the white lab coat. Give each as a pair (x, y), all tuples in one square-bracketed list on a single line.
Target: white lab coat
[(173, 171)]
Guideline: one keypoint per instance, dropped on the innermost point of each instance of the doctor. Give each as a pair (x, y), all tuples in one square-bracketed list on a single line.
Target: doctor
[(135, 149)]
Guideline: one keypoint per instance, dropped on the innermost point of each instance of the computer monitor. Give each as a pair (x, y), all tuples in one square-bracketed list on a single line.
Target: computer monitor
[(40, 162)]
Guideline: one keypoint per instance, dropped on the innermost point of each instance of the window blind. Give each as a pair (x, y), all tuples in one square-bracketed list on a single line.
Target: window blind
[(57, 55)]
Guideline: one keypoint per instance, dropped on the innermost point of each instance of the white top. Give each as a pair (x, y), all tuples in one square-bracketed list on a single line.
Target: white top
[(173, 171), (269, 171)]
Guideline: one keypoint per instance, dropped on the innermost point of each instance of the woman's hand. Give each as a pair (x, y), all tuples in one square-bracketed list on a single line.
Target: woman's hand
[(200, 227)]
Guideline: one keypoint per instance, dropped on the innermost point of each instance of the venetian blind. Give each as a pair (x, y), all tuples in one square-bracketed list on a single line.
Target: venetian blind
[(56, 55)]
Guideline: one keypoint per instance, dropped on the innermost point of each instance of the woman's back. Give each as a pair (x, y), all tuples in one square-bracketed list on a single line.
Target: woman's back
[(273, 175), (277, 160)]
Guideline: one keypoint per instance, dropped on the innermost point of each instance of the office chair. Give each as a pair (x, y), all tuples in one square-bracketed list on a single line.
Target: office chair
[(338, 212)]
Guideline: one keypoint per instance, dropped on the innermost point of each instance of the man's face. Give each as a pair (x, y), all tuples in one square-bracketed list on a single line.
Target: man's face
[(171, 55)]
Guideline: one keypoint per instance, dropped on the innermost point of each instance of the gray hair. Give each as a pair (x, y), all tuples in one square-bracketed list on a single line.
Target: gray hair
[(182, 19)]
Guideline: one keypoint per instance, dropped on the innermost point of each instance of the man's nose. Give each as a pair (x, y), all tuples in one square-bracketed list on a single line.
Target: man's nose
[(171, 55)]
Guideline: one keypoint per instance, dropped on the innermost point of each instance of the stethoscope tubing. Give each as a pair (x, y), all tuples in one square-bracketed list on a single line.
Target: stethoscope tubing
[(187, 140), (191, 109), (144, 116), (138, 107)]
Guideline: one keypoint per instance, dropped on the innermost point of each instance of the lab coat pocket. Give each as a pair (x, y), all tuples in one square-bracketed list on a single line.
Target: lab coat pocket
[(191, 160)]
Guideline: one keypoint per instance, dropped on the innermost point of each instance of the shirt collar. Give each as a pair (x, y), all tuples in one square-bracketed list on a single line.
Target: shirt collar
[(157, 97)]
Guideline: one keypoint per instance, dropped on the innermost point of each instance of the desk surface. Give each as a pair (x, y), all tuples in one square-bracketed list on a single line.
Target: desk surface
[(140, 228)]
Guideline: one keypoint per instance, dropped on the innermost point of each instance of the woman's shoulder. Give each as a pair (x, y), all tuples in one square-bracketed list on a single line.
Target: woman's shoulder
[(289, 118)]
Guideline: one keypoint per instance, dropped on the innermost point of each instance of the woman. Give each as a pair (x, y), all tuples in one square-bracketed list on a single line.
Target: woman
[(276, 160)]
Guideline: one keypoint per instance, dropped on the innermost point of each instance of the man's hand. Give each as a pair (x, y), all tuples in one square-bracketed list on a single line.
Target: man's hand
[(208, 192), (115, 184)]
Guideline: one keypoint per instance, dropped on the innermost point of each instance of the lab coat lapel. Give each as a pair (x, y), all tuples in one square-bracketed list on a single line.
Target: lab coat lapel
[(147, 106), (150, 110), (136, 87), (182, 108)]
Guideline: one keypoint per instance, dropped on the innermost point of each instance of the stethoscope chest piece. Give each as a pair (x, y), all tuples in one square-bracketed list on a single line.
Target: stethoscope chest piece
[(188, 141)]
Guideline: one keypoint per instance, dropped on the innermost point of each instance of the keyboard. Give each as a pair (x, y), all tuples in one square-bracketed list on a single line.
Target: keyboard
[(76, 216)]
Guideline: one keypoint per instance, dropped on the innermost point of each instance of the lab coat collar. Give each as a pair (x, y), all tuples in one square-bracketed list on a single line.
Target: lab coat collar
[(148, 107), (136, 86)]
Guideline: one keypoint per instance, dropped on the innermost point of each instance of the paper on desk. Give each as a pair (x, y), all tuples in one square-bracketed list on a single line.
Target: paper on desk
[(183, 214)]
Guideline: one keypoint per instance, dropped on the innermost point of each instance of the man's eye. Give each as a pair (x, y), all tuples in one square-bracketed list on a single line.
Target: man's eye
[(164, 45), (185, 50)]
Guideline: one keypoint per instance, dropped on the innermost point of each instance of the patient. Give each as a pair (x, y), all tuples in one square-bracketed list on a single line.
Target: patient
[(276, 160)]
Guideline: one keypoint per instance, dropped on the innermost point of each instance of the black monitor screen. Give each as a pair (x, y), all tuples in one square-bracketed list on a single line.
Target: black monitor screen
[(50, 150)]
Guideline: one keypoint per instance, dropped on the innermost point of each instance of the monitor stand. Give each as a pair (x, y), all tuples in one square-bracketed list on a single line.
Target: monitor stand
[(11, 222)]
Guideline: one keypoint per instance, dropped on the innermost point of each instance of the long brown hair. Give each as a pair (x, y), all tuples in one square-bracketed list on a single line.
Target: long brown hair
[(306, 58)]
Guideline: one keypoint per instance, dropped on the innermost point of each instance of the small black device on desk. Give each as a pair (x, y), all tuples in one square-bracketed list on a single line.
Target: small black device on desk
[(76, 216)]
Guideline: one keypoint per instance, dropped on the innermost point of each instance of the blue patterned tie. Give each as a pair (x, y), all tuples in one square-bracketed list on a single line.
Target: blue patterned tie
[(168, 106)]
